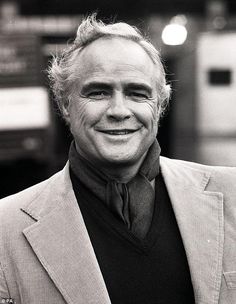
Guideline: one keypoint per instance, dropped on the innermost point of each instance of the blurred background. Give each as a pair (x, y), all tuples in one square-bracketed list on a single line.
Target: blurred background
[(197, 41)]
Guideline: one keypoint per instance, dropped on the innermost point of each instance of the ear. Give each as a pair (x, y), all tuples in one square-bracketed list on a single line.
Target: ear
[(158, 113), (65, 112)]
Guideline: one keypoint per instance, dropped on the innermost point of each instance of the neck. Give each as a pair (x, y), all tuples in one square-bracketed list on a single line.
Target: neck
[(118, 171), (122, 173)]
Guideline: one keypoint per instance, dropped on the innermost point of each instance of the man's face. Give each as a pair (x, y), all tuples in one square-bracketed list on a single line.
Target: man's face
[(113, 113)]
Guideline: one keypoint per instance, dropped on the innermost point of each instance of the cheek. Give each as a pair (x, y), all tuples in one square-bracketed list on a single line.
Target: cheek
[(84, 114), (77, 116), (147, 113)]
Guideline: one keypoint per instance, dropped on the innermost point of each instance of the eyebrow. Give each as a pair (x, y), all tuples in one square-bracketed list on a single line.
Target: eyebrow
[(108, 86), (139, 86), (95, 85)]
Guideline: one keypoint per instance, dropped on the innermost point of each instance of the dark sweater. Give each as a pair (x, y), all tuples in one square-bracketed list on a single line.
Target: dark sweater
[(153, 270)]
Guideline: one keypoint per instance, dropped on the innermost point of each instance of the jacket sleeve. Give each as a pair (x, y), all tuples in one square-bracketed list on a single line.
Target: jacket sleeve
[(3, 285)]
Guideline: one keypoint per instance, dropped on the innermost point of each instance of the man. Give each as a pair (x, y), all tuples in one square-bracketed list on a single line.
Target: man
[(119, 224)]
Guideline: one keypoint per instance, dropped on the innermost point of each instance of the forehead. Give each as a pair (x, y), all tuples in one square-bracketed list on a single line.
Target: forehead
[(118, 58)]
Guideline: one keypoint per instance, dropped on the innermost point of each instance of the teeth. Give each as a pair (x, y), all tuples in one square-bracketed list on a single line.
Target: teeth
[(119, 132)]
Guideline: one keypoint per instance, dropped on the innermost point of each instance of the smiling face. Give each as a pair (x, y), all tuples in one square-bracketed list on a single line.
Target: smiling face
[(113, 113)]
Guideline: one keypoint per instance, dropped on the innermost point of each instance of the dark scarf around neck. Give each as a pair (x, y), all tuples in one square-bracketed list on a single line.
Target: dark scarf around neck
[(131, 202)]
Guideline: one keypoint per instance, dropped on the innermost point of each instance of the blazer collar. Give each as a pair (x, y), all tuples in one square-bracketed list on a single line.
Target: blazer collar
[(199, 214), (61, 242)]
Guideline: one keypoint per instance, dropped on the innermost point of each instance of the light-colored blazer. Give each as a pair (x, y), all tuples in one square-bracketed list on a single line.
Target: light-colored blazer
[(47, 258)]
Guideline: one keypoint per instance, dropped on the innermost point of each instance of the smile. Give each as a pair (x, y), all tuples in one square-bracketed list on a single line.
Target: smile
[(118, 132)]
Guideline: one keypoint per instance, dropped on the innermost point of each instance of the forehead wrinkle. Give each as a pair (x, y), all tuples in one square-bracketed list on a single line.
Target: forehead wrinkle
[(128, 80), (98, 69), (129, 75)]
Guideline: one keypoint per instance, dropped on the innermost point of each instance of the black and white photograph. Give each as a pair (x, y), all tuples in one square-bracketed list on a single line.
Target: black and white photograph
[(118, 152)]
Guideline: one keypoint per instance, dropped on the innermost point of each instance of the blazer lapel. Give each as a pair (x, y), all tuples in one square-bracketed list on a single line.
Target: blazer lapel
[(60, 240), (199, 215)]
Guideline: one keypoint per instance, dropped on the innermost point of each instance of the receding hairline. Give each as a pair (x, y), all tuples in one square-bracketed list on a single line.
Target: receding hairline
[(114, 37)]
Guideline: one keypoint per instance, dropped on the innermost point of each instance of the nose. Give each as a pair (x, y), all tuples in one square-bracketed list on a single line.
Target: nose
[(118, 109)]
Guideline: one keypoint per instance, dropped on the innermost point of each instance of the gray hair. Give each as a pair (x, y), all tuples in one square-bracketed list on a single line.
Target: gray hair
[(61, 71)]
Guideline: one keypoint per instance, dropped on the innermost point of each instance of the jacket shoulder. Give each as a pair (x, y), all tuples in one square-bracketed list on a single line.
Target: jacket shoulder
[(197, 166), (221, 177), (15, 201)]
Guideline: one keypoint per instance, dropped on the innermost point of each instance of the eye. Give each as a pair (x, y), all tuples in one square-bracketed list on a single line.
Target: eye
[(138, 96), (98, 94)]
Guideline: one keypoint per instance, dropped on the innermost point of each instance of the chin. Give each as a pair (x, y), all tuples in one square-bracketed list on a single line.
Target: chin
[(127, 159)]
